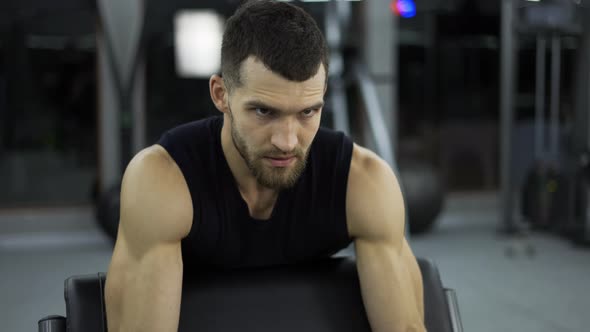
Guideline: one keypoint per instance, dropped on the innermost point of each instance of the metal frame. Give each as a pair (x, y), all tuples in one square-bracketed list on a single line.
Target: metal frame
[(125, 72), (336, 17), (451, 297), (540, 97), (375, 116), (555, 94), (508, 67)]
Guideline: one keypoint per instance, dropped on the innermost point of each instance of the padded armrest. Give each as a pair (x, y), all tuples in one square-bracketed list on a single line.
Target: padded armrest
[(315, 297), (436, 307), (85, 309)]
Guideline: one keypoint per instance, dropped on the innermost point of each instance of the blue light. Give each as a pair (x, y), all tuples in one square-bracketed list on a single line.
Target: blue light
[(406, 8)]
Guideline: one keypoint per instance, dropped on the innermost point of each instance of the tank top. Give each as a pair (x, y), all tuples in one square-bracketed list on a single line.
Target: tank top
[(308, 221)]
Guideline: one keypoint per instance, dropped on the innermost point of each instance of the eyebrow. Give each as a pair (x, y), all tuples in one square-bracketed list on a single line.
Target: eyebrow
[(260, 104)]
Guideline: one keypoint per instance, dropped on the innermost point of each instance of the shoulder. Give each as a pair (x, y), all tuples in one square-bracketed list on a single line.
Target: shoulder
[(374, 203), (155, 197), (365, 162), (150, 158), (194, 130)]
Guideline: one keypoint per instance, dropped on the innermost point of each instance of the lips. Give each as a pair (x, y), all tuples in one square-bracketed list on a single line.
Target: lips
[(281, 158), (281, 161)]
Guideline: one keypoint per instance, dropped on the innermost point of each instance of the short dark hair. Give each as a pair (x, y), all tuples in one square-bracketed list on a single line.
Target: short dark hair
[(283, 36)]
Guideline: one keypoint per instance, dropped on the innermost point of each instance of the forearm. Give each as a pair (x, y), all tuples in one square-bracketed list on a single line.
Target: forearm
[(388, 290), (416, 275), (145, 296)]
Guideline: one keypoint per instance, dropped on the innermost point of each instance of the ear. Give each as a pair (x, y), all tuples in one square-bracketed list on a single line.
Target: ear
[(218, 93)]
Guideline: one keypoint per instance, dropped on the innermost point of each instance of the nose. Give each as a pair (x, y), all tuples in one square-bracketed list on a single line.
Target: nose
[(284, 137)]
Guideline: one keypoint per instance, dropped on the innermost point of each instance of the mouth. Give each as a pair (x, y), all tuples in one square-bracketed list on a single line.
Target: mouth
[(281, 161)]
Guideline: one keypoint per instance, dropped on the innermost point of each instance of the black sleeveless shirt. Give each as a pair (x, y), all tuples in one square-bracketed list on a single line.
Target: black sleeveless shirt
[(308, 220)]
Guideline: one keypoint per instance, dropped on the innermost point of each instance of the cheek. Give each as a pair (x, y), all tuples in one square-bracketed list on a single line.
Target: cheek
[(255, 137), (246, 129)]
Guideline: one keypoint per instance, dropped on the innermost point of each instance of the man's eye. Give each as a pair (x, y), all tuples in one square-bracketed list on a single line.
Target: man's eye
[(309, 112), (263, 112)]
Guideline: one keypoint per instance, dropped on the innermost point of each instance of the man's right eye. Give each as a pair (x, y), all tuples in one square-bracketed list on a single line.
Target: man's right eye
[(263, 112)]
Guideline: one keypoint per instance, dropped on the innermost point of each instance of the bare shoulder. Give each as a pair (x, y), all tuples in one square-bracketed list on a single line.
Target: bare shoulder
[(155, 201), (374, 203)]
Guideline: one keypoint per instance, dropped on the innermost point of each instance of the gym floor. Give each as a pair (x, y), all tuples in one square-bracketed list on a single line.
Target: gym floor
[(549, 291)]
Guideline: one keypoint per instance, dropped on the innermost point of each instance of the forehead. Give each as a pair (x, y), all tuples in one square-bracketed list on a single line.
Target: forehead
[(261, 83)]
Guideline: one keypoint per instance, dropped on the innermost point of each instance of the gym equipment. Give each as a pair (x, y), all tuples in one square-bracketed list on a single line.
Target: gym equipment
[(545, 198), (577, 228), (581, 137), (521, 18), (584, 164), (423, 194), (315, 297), (545, 191)]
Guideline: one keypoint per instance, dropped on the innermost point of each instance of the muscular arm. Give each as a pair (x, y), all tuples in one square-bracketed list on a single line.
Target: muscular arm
[(391, 283), (144, 279)]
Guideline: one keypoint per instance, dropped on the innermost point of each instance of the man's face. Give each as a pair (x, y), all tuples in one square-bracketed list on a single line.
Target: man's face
[(274, 121)]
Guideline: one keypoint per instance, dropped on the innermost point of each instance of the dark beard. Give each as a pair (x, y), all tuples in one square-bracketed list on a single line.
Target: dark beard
[(275, 179)]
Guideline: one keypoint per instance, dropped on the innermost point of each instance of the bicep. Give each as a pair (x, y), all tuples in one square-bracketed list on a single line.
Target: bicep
[(374, 202), (144, 279), (156, 205)]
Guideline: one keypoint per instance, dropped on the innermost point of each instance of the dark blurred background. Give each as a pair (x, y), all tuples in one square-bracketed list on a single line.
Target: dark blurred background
[(447, 83), (480, 106)]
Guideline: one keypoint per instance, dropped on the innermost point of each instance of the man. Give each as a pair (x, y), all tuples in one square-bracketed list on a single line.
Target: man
[(261, 185)]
